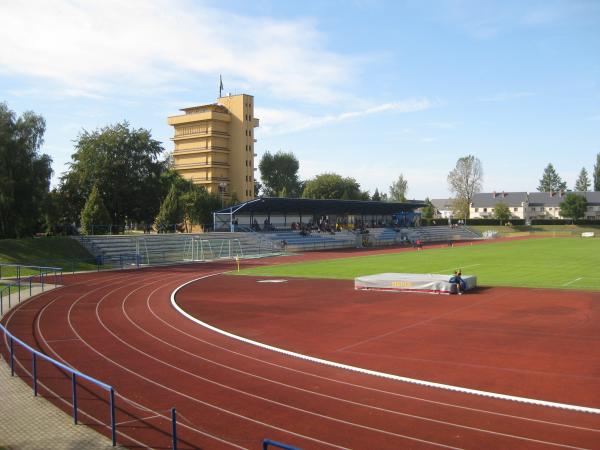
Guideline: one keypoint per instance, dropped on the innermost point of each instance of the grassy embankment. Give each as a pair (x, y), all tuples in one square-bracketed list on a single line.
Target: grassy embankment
[(61, 252)]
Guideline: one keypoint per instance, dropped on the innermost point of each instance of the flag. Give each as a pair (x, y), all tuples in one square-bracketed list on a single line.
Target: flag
[(220, 85)]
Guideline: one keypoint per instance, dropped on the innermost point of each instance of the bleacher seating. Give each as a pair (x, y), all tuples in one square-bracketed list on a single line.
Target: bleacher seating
[(169, 248), (157, 248), (444, 234), (313, 241)]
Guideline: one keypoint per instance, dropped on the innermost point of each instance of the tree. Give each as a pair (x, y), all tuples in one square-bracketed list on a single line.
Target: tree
[(551, 181), (428, 211), (501, 212), (333, 186), (460, 208), (376, 196), (279, 171), (24, 173), (170, 212), (597, 173), (94, 217), (123, 163), (257, 188), (398, 189), (583, 182), (573, 206), (464, 181), (198, 206)]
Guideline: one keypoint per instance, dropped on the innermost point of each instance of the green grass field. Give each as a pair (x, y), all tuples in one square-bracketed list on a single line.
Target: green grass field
[(563, 263)]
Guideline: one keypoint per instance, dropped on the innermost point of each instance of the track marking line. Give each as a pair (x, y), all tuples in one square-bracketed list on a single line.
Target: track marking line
[(448, 387), (572, 281), (330, 397), (368, 388), (240, 391)]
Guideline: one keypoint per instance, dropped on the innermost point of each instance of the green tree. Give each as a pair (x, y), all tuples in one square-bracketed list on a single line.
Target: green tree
[(501, 212), (333, 186), (257, 188), (398, 189), (170, 213), (597, 173), (376, 196), (583, 182), (123, 162), (551, 181), (464, 181), (573, 206), (279, 171), (95, 216), (24, 173), (428, 211), (198, 206)]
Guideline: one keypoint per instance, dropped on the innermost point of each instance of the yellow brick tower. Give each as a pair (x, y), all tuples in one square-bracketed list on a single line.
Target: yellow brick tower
[(214, 146)]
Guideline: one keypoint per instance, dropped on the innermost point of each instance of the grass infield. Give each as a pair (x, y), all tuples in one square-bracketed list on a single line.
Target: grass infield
[(562, 263)]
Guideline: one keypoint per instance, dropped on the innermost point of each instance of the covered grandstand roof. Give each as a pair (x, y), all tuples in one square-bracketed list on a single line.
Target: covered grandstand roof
[(310, 206)]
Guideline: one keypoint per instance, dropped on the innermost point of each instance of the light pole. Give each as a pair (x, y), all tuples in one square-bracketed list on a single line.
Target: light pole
[(222, 187)]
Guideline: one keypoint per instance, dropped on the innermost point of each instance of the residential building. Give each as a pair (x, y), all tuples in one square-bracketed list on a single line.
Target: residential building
[(533, 205), (214, 146), (443, 208), (483, 204)]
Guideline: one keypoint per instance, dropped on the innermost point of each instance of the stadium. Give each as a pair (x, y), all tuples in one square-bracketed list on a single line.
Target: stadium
[(368, 225), (241, 348)]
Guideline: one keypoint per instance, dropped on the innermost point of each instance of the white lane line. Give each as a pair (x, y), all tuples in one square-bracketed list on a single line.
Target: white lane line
[(388, 376), (119, 432), (572, 281), (319, 394), (322, 416), (367, 388)]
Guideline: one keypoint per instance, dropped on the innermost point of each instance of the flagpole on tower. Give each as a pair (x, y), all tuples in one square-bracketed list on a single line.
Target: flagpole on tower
[(220, 86)]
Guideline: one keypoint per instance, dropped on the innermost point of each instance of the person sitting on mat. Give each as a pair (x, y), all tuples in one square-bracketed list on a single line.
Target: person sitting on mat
[(458, 281)]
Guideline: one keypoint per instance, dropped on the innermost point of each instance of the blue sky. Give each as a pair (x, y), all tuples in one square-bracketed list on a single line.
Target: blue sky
[(366, 88)]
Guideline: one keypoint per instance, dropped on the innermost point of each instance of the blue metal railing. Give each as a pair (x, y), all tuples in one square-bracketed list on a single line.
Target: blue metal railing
[(75, 374), (17, 282), (269, 442)]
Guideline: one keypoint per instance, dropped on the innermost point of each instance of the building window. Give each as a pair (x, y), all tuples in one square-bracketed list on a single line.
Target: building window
[(515, 209), (476, 209), (484, 209)]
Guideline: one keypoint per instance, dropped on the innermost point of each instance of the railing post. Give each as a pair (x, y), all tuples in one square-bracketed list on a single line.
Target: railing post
[(30, 286), (12, 358), (34, 375), (74, 394), (113, 424), (174, 427)]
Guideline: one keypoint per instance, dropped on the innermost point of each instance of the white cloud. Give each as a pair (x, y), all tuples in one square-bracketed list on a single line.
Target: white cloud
[(279, 121), (95, 48), (506, 96)]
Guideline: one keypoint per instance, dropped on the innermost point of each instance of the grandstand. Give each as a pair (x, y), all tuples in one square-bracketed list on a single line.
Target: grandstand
[(150, 249)]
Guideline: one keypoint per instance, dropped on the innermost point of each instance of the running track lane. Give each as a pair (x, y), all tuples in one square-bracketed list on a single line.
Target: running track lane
[(121, 329)]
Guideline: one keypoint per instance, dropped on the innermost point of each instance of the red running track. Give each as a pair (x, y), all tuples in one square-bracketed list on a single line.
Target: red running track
[(121, 328)]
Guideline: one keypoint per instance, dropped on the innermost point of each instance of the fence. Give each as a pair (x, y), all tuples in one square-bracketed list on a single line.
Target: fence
[(35, 354), (6, 291), (13, 343)]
